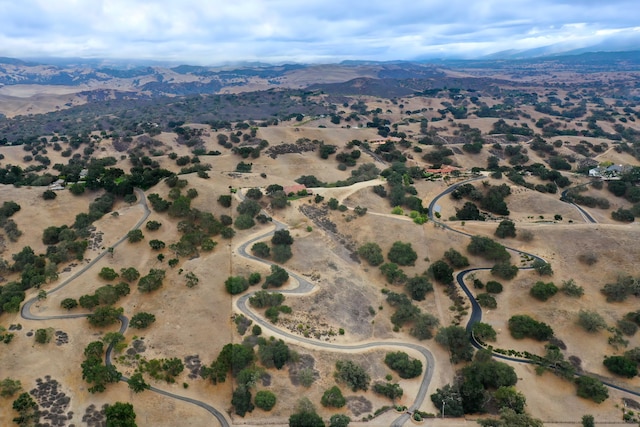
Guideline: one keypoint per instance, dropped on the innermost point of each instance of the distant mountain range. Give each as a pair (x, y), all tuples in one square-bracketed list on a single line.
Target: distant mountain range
[(73, 81)]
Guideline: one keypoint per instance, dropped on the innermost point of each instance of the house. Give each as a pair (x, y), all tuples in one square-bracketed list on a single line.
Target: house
[(608, 172), (444, 169), (380, 141), (57, 185)]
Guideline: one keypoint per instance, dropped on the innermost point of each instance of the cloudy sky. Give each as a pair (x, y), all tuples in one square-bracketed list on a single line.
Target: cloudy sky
[(218, 31)]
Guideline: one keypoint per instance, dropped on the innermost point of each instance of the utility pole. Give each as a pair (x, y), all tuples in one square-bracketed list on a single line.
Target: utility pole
[(443, 403)]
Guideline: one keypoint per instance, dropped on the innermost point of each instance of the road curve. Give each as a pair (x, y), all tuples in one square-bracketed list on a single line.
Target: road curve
[(25, 313), (476, 310), (305, 287)]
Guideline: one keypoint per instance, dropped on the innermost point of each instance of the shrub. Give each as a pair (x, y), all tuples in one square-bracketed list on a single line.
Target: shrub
[(282, 253), (456, 340), (153, 225), (405, 366), (504, 270), (135, 236), (261, 249), (591, 388), (353, 375), (236, 285), (441, 272), (484, 331), (372, 253), (265, 400), (620, 365), (277, 277), (488, 249), (543, 268), (456, 259), (402, 254), (543, 291), (418, 287), (494, 287), (506, 228), (591, 321), (487, 301), (333, 398), (391, 390), (570, 288), (108, 273), (68, 303), (142, 320), (523, 326), (627, 327)]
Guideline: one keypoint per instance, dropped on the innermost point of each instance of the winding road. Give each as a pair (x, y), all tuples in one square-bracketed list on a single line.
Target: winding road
[(476, 310), (25, 313), (306, 287)]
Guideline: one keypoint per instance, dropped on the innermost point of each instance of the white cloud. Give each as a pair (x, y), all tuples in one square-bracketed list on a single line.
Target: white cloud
[(206, 31)]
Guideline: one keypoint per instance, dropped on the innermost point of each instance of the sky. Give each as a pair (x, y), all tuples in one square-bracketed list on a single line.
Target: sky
[(210, 32)]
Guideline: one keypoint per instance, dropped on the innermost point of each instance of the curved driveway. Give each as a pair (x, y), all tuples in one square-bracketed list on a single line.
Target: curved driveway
[(476, 310), (305, 287)]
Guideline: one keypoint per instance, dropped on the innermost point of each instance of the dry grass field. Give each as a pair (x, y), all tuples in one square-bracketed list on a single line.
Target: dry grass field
[(347, 294)]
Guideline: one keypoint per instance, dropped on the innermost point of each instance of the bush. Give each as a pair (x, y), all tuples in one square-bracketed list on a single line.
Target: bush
[(244, 222), (504, 270), (543, 268), (405, 366), (622, 366), (225, 200), (265, 400), (333, 398), (627, 327), (494, 287), (506, 228), (142, 320), (108, 273), (543, 291), (68, 303), (282, 237), (372, 253), (523, 326), (418, 287), (456, 259), (353, 375), (153, 225), (236, 285), (277, 277), (261, 250), (591, 388), (456, 340), (135, 236), (402, 254), (488, 249), (487, 301), (484, 332), (441, 272), (570, 288), (49, 195), (151, 281), (282, 253), (391, 390), (591, 321)]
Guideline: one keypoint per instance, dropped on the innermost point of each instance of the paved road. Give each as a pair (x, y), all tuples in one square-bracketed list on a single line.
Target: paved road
[(476, 310), (25, 312), (305, 287), (586, 215)]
